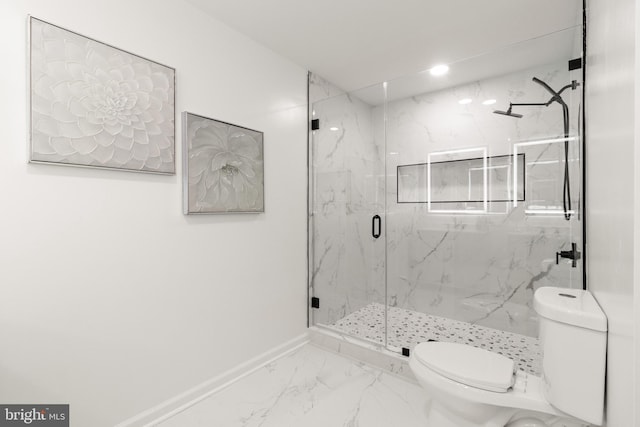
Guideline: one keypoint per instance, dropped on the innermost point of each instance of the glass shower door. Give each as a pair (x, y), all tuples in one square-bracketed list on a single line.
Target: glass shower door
[(476, 218), (346, 213)]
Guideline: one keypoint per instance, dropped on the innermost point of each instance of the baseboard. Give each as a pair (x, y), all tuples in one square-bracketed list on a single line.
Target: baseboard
[(179, 403)]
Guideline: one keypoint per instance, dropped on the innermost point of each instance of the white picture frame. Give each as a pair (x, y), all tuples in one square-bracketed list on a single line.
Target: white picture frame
[(223, 167), (94, 105)]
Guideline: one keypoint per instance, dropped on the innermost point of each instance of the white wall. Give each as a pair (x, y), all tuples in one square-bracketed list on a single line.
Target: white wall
[(612, 182), (110, 299)]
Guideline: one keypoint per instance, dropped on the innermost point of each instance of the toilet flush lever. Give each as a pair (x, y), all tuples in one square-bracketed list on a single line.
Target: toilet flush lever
[(573, 255)]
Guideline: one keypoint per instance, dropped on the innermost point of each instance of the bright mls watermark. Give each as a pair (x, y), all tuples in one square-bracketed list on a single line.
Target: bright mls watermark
[(34, 415)]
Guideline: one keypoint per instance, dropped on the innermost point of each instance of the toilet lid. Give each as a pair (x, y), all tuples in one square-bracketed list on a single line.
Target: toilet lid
[(468, 365)]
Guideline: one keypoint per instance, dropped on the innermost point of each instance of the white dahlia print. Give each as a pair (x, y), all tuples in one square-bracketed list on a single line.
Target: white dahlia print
[(95, 105)]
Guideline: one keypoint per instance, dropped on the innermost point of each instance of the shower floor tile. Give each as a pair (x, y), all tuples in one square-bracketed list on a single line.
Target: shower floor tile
[(408, 328), (311, 387)]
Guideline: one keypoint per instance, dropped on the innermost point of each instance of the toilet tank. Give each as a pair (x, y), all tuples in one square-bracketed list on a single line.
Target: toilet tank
[(573, 339)]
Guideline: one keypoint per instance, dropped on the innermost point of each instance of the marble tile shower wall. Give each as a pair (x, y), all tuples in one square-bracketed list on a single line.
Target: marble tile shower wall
[(347, 188), (482, 268)]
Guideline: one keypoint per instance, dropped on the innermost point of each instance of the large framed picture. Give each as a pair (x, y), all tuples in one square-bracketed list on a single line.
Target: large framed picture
[(94, 105), (223, 167)]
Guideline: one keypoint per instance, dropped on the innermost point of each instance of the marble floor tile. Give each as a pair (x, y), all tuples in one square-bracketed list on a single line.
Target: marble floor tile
[(311, 387)]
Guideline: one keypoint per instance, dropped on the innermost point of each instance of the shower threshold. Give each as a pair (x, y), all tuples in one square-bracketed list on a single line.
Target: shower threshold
[(408, 328)]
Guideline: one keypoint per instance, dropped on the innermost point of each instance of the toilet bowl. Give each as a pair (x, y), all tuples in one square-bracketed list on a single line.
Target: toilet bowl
[(499, 397), (473, 387)]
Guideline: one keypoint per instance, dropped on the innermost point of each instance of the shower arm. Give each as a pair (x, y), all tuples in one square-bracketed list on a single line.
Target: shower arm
[(556, 96), (531, 104), (573, 85)]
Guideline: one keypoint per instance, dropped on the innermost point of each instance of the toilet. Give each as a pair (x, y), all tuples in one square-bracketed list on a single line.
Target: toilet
[(473, 387)]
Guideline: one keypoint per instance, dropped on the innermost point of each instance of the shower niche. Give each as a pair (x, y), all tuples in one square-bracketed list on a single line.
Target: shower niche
[(472, 205), (467, 184)]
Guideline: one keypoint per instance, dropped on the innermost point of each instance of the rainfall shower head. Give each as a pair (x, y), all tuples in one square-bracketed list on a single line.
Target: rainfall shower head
[(508, 113)]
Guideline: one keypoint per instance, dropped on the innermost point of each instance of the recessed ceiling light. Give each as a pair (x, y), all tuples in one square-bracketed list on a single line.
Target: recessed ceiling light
[(465, 101), (439, 70), (334, 128), (489, 102)]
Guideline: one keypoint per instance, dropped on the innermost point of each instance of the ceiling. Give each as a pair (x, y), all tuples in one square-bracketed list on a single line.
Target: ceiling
[(357, 43)]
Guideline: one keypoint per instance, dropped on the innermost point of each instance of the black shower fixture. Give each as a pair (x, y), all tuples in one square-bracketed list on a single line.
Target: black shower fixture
[(508, 113), (555, 97)]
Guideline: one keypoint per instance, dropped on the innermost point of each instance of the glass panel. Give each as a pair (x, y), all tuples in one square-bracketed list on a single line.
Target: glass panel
[(457, 181), (475, 206), (347, 209), (476, 180), (461, 181)]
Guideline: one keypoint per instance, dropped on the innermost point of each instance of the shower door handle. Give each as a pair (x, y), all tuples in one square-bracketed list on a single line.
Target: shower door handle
[(376, 226)]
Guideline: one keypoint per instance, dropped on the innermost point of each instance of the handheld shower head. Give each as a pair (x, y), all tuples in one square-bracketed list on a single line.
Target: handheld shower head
[(547, 87), (556, 96)]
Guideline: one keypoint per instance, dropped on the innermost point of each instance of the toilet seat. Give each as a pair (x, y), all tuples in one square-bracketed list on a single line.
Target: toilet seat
[(525, 393), (468, 365)]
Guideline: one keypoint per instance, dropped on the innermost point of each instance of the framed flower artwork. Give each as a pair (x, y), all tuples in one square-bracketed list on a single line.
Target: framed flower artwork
[(98, 106), (223, 167)]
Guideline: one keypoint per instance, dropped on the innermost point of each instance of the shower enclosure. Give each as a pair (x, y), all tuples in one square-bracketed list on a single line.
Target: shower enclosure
[(433, 218)]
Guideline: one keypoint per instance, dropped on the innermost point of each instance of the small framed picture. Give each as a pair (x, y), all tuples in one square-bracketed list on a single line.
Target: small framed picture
[(223, 167)]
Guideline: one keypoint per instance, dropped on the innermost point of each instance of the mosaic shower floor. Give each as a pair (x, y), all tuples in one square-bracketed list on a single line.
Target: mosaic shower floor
[(408, 328)]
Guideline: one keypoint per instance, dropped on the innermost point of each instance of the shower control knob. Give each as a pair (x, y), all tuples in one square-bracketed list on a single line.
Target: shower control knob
[(573, 255)]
